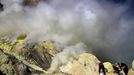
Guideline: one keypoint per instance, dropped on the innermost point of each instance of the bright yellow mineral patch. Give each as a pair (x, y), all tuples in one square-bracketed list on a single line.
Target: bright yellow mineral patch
[(49, 46), (20, 38), (108, 67)]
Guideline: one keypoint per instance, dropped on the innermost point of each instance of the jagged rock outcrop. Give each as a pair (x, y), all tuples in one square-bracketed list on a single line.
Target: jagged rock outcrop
[(18, 59)]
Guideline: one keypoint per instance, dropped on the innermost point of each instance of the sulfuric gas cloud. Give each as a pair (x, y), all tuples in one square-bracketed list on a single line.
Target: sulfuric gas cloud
[(104, 26)]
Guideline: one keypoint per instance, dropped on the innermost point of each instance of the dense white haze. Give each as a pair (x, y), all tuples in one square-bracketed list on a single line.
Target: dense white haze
[(100, 26)]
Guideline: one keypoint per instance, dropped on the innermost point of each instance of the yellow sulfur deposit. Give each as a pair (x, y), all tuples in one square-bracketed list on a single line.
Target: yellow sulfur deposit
[(87, 64), (37, 57), (49, 47), (20, 39), (108, 66), (5, 46)]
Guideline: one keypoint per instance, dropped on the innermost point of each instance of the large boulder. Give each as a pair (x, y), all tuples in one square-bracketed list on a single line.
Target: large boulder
[(87, 64)]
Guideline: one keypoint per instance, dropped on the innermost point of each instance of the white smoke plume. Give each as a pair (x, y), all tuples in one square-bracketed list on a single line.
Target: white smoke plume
[(102, 26), (68, 54)]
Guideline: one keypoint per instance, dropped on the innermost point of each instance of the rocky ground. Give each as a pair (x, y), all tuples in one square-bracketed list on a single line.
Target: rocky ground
[(36, 59)]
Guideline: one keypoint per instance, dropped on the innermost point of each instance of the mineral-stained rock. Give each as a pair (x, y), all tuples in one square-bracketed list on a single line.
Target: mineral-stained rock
[(87, 64), (5, 64), (108, 66), (10, 66), (20, 59)]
